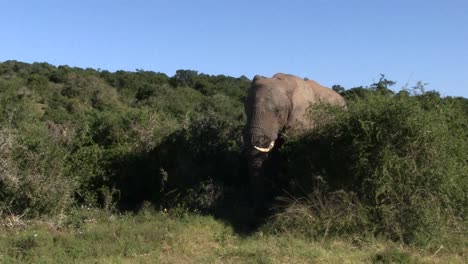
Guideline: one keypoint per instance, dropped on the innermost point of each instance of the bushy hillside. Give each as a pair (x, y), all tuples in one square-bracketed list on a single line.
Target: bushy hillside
[(73, 136), (392, 165)]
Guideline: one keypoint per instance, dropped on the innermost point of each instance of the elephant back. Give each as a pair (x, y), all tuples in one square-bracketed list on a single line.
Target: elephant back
[(326, 95)]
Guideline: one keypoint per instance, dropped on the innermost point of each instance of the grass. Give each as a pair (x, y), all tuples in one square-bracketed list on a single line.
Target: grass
[(96, 236)]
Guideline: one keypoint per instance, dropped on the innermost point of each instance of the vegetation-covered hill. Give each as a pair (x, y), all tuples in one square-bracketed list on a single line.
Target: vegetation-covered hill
[(98, 138), (394, 165)]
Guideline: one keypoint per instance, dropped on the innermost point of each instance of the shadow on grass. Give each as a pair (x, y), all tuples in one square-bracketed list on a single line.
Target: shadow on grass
[(209, 181), (237, 210), (144, 179)]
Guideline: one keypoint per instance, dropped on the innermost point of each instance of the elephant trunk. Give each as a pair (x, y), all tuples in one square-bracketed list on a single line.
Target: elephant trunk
[(262, 130)]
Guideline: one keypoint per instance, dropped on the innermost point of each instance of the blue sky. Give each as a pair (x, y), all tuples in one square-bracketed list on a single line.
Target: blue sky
[(333, 42)]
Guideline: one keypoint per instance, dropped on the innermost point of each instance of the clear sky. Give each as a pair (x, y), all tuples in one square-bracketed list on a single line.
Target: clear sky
[(347, 42)]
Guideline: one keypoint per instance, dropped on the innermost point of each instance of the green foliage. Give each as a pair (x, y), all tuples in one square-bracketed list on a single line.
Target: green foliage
[(192, 164), (184, 78), (403, 156), (86, 132), (33, 181), (392, 165)]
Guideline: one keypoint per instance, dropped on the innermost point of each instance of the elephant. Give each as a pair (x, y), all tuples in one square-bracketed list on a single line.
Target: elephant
[(274, 107)]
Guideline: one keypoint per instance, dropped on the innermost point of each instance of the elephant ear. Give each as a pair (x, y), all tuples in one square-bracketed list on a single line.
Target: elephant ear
[(302, 97)]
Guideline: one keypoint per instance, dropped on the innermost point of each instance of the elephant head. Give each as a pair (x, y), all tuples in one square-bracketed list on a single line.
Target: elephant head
[(273, 106)]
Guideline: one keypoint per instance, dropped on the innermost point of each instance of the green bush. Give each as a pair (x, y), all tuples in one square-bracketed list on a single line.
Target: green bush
[(403, 156), (190, 166), (32, 178)]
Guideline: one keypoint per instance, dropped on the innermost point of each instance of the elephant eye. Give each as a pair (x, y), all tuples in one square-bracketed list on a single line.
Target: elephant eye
[(278, 111)]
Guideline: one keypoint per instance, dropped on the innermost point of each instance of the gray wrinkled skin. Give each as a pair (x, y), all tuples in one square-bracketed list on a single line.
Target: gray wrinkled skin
[(275, 105)]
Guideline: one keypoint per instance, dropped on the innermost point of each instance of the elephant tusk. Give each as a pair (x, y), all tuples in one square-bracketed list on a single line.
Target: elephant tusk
[(265, 150)]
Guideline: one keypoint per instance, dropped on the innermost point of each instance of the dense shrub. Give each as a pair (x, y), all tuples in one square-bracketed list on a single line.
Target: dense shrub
[(189, 166), (403, 156), (32, 178), (85, 133)]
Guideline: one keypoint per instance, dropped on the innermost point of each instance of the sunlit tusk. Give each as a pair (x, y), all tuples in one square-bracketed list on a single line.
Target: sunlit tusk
[(270, 147)]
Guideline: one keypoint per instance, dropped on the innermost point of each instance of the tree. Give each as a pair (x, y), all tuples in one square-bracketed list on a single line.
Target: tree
[(383, 86), (339, 89), (184, 78)]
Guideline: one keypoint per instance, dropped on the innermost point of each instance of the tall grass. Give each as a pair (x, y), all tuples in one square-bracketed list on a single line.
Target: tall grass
[(96, 236)]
